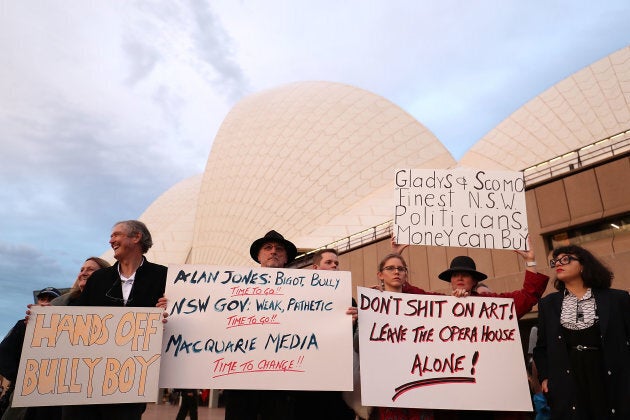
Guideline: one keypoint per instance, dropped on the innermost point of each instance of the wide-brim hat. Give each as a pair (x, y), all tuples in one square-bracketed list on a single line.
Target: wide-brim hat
[(273, 236), (464, 264), (50, 291)]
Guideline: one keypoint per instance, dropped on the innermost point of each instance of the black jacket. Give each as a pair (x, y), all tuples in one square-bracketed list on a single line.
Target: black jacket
[(552, 358), (11, 351), (103, 288)]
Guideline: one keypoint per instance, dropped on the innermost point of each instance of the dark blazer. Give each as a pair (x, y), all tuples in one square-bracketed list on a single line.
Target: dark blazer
[(11, 351), (552, 358), (103, 288)]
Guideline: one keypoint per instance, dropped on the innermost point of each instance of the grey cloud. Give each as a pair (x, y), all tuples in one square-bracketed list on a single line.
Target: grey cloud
[(214, 46), (79, 171), (22, 270), (142, 59), (23, 261), (170, 103)]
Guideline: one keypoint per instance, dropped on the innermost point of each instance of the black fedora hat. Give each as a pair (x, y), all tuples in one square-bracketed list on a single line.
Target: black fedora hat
[(465, 264), (273, 236)]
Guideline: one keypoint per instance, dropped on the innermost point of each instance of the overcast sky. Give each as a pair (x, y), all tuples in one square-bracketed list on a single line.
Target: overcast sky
[(106, 104)]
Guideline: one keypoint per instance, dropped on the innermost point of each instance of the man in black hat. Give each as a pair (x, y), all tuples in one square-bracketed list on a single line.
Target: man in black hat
[(270, 251)]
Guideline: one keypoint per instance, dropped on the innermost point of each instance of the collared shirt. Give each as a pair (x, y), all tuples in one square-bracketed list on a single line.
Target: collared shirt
[(126, 283), (578, 314)]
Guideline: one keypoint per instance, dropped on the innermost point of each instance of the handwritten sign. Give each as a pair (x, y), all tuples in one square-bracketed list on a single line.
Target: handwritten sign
[(442, 352), (257, 328), (89, 355), (460, 208)]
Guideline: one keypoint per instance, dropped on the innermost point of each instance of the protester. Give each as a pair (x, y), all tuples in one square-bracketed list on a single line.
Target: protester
[(392, 275), (132, 281), (583, 353), (463, 276), (90, 265), (328, 260), (465, 280), (271, 251), (11, 351), (397, 248), (325, 404)]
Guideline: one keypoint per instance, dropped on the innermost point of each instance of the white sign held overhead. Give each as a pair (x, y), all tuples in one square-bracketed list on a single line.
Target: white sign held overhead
[(460, 208)]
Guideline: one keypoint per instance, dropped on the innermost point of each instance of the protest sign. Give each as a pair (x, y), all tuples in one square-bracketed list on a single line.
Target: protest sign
[(431, 351), (257, 328), (89, 355), (460, 208)]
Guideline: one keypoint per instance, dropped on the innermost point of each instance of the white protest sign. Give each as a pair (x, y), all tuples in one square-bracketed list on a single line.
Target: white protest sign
[(428, 351), (460, 208), (89, 355), (257, 328)]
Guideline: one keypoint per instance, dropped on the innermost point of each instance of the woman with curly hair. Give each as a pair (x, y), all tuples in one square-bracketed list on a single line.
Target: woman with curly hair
[(583, 348)]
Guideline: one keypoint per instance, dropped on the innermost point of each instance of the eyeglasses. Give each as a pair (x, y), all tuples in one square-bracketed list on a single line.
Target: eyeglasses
[(118, 300), (393, 268), (564, 260)]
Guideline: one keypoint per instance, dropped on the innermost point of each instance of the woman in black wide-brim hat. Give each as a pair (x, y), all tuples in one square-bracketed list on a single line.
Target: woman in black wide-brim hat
[(466, 280), (464, 277)]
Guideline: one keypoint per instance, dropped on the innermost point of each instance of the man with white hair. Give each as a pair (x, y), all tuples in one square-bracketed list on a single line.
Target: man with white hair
[(132, 281)]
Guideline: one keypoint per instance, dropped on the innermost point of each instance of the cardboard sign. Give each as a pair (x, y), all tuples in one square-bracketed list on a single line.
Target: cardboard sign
[(257, 328), (442, 352), (75, 355), (460, 208)]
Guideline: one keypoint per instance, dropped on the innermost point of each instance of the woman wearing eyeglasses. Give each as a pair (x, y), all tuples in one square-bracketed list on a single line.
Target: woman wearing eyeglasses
[(464, 279), (583, 348), (392, 275)]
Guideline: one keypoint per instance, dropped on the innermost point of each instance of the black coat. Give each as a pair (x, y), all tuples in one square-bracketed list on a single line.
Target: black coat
[(103, 288), (11, 351), (552, 357)]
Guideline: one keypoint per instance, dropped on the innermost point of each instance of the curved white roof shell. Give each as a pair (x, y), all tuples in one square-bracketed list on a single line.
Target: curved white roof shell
[(313, 160), (588, 106), (171, 220)]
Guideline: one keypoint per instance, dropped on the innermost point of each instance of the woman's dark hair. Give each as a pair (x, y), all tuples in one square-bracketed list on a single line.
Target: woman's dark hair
[(594, 274), (381, 265)]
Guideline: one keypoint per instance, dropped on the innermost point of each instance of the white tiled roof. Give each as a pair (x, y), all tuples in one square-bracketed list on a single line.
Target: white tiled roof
[(315, 161), (588, 106)]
